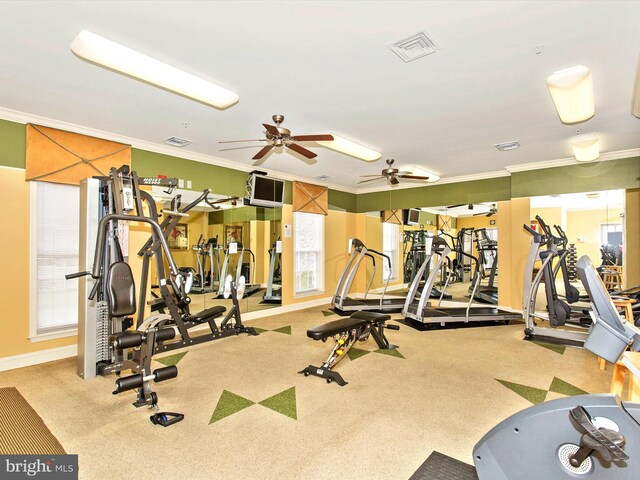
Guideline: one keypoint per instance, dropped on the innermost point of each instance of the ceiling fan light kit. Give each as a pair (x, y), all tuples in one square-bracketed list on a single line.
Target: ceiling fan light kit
[(104, 52), (586, 148), (572, 92), (351, 148)]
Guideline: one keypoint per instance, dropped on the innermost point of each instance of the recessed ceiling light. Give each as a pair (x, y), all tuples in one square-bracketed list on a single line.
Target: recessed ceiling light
[(586, 148), (572, 93), (506, 146), (177, 141), (104, 52), (351, 148)]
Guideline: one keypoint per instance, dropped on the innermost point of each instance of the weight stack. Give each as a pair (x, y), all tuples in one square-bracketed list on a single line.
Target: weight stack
[(572, 259)]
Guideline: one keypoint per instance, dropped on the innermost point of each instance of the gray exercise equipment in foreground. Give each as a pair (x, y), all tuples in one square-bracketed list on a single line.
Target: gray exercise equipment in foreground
[(593, 437)]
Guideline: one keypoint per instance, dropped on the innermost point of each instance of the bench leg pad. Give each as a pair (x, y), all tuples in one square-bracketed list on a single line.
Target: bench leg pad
[(325, 373)]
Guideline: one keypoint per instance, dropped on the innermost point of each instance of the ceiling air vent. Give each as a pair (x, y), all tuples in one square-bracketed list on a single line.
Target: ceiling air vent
[(414, 47), (177, 141), (322, 177), (506, 146)]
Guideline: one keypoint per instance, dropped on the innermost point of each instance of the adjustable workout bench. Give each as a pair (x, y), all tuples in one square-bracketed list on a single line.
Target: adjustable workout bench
[(345, 332)]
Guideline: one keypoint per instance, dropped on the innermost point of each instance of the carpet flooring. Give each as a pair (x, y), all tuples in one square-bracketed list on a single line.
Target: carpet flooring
[(249, 414)]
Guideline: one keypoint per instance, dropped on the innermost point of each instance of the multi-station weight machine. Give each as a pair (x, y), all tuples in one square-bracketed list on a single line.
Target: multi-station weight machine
[(107, 291)]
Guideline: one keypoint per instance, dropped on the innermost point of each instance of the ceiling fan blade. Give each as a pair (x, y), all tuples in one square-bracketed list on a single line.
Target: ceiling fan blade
[(301, 150), (371, 179), (271, 129), (456, 206), (480, 214), (394, 181), (413, 177), (313, 138), (238, 141), (263, 151), (362, 176)]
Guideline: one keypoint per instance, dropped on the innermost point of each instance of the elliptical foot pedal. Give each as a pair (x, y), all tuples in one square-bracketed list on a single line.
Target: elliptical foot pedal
[(166, 419), (328, 375)]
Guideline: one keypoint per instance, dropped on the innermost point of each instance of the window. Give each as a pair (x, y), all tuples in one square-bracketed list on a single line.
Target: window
[(390, 241), (309, 252), (54, 253)]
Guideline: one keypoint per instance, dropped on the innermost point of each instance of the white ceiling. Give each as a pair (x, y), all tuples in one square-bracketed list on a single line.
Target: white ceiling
[(581, 201), (327, 67)]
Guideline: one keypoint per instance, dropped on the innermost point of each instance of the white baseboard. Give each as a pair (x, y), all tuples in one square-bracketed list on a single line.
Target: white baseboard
[(35, 358), (43, 356), (269, 312)]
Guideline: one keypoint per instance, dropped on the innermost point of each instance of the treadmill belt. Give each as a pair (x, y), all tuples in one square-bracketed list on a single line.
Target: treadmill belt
[(442, 467)]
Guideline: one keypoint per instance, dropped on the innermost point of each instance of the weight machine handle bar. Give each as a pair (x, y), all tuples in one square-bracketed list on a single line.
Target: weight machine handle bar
[(100, 245), (76, 275)]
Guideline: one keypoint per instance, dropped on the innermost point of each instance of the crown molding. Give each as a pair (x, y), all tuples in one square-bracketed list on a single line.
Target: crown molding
[(24, 118), (564, 162)]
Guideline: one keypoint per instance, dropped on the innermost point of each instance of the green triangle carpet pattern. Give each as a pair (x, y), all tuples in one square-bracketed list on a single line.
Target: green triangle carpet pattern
[(283, 402), (170, 360), (286, 330), (230, 403), (392, 352), (554, 348), (538, 395), (356, 353), (328, 313)]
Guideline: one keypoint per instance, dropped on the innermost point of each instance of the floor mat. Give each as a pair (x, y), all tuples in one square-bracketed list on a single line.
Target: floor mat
[(442, 467), (22, 431)]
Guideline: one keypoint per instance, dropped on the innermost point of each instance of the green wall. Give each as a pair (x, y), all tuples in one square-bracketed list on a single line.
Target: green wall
[(13, 141), (478, 191), (610, 175), (244, 214), (615, 174)]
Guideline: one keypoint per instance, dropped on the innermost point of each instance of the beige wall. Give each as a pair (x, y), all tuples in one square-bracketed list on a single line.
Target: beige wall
[(514, 247), (631, 257), (551, 216), (14, 281), (583, 229), (339, 227)]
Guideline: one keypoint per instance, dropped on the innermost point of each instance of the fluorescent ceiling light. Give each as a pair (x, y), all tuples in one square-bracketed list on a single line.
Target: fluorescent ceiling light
[(420, 172), (586, 148), (635, 105), (101, 51), (351, 148), (572, 93)]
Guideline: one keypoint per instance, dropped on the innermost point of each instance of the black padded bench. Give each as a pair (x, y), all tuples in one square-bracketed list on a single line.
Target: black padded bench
[(206, 315), (345, 332)]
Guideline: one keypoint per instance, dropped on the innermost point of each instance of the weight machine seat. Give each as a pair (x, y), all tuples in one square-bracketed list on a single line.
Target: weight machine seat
[(121, 290), (358, 319), (206, 315)]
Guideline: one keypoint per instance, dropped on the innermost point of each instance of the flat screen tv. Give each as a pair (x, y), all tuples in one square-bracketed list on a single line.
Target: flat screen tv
[(413, 216), (266, 192)]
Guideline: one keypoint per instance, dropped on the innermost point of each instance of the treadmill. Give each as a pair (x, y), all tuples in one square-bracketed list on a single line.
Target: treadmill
[(422, 311), (341, 300), (485, 246), (273, 294)]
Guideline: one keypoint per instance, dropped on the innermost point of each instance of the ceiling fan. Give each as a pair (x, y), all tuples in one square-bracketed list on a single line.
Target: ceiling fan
[(278, 136), (392, 175), (492, 211)]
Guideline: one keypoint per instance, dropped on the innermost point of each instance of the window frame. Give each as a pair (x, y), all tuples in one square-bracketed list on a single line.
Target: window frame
[(392, 253), (34, 334), (320, 274)]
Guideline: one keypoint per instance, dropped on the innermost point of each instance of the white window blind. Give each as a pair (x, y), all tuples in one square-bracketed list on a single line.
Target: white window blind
[(390, 241), (309, 252), (55, 240)]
